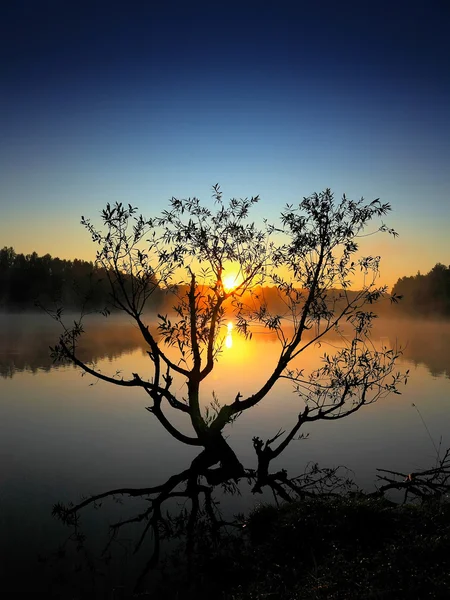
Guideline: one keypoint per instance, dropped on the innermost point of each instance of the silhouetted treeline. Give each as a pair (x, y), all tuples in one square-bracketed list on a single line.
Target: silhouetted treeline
[(427, 295), (27, 279)]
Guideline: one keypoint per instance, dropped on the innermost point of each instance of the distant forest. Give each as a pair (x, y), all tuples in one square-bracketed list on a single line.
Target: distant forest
[(426, 295), (28, 279), (25, 279)]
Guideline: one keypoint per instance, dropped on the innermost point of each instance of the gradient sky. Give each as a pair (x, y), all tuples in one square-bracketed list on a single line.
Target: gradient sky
[(141, 101)]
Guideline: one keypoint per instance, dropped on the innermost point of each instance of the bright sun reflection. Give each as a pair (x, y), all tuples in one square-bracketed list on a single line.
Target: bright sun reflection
[(229, 338)]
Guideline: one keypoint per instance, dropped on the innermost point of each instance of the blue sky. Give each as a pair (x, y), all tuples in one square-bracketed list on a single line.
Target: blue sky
[(141, 101)]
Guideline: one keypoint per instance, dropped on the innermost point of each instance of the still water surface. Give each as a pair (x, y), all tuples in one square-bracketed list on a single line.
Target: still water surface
[(63, 435)]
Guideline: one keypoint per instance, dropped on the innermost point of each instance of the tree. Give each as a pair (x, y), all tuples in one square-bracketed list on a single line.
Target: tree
[(428, 294), (309, 258)]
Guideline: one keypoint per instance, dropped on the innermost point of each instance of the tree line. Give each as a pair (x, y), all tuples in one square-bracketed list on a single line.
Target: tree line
[(425, 295), (29, 278)]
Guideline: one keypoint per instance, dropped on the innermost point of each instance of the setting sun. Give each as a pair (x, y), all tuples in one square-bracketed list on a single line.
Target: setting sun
[(230, 281)]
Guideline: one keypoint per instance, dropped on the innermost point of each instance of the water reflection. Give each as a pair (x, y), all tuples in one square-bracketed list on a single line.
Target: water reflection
[(25, 341), (61, 438), (229, 338), (426, 343)]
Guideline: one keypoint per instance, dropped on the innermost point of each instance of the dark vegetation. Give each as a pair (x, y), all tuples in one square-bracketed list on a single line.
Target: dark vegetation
[(27, 280), (333, 548), (426, 295)]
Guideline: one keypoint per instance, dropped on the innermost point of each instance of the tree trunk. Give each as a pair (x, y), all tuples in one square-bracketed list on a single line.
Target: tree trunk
[(217, 450)]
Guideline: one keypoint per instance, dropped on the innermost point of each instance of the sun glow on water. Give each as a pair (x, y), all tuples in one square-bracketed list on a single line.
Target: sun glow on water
[(229, 338)]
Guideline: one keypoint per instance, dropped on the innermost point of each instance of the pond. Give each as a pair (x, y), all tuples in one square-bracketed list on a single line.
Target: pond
[(63, 435)]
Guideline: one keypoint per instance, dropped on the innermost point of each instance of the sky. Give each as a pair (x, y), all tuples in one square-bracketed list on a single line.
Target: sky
[(140, 101)]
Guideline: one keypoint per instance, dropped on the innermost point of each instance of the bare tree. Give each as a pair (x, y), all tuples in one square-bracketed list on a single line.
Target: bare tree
[(310, 259)]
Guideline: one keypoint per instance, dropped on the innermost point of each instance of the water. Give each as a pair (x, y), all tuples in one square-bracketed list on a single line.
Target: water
[(63, 435)]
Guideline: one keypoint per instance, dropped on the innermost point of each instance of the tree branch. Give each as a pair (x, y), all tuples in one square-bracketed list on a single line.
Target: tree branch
[(193, 319), (156, 410)]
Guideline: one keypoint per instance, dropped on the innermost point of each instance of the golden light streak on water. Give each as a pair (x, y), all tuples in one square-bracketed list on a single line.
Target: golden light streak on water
[(229, 338)]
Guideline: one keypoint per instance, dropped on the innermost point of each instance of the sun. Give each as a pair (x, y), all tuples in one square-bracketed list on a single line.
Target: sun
[(230, 282)]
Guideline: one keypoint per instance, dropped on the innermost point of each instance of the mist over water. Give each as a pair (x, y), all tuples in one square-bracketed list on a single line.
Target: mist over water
[(25, 340)]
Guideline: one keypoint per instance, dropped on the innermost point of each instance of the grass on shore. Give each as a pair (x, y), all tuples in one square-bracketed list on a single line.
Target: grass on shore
[(329, 548)]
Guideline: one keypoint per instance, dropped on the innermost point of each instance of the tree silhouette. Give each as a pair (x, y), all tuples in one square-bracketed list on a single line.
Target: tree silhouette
[(308, 260)]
